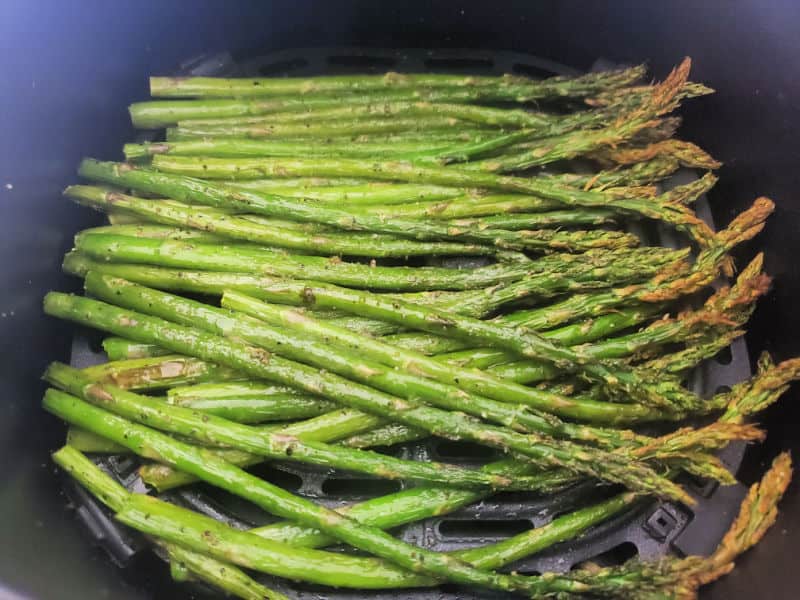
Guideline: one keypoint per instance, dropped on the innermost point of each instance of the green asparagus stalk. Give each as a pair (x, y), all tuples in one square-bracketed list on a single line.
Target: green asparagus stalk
[(357, 194), (328, 427), (554, 218), (248, 402), (220, 574), (590, 330), (549, 276), (208, 428), (86, 441), (350, 127), (387, 435), (642, 173), (458, 207), (182, 188), (747, 399), (559, 274), (273, 263), (118, 348), (526, 344), (147, 230), (407, 385), (175, 213), (245, 147), (232, 227), (565, 146), (582, 272), (507, 86), (348, 360), (311, 183), (482, 115)]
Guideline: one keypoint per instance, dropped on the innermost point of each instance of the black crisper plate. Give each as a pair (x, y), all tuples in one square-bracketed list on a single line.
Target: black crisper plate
[(649, 531)]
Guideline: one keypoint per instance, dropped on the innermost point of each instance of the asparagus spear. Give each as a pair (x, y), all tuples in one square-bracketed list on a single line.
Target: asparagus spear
[(409, 373), (357, 193), (351, 127), (622, 128), (482, 115), (564, 146), (554, 218), (236, 228), (248, 402), (148, 230), (175, 213), (221, 574), (86, 441), (506, 86), (245, 147), (460, 206), (686, 153), (745, 400), (208, 428), (181, 188), (673, 282), (387, 435), (245, 397)]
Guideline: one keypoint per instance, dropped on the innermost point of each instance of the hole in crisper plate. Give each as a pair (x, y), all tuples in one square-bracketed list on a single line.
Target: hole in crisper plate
[(359, 487), (480, 528)]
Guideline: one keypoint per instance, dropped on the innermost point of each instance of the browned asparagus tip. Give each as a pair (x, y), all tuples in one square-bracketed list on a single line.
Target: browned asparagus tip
[(750, 285), (664, 94), (747, 224), (756, 515), (688, 154)]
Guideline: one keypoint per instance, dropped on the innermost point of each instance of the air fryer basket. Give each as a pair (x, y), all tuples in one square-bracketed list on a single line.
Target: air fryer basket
[(649, 531)]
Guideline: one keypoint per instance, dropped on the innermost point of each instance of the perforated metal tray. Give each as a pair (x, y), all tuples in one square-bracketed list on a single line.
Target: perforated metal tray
[(649, 531)]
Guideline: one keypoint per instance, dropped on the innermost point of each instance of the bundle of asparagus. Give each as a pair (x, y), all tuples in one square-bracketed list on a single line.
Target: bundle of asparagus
[(381, 259)]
